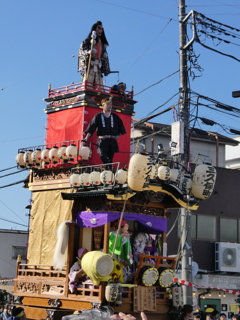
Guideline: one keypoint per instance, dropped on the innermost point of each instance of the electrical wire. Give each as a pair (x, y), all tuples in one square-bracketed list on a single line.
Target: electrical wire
[(8, 168), (11, 211), (14, 222), (11, 184), (156, 83), (13, 173), (148, 46)]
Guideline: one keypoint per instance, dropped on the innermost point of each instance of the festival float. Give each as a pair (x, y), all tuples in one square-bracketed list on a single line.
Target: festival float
[(97, 235)]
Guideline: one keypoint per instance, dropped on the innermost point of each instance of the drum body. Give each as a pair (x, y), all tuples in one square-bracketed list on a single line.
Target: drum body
[(148, 276), (98, 266)]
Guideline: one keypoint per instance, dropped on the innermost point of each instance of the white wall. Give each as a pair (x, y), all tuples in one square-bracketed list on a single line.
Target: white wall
[(207, 149), (8, 239), (233, 156)]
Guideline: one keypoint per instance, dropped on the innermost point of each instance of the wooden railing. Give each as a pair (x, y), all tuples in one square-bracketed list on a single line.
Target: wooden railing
[(84, 86)]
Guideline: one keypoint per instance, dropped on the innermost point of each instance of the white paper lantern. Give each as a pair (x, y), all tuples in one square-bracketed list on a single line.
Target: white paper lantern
[(84, 179), (45, 155), (111, 291), (85, 152), (71, 151), (153, 173), (138, 171), (185, 184), (107, 177), (36, 157), (204, 178), (28, 158), (20, 159), (53, 154), (175, 175), (164, 173), (94, 178), (121, 176), (62, 153), (74, 180)]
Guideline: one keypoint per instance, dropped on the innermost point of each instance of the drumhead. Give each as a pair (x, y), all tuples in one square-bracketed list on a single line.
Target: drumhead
[(149, 276), (104, 265), (166, 278)]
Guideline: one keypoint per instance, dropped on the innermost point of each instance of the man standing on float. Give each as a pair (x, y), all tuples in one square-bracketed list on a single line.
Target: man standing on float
[(92, 55), (109, 127)]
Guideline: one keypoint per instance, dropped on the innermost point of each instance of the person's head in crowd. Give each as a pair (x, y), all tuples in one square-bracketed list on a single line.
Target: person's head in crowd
[(209, 317), (17, 314), (187, 311), (197, 316), (215, 314), (236, 316), (223, 316)]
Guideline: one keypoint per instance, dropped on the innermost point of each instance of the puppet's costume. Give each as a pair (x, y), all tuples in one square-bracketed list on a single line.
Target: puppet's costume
[(99, 58)]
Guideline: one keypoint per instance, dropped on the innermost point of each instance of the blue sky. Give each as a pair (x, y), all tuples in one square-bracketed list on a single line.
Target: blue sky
[(39, 45)]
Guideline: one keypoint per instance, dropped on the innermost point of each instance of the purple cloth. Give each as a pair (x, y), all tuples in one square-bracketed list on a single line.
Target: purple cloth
[(90, 219)]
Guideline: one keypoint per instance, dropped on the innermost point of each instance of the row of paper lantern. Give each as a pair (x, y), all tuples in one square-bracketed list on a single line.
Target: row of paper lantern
[(97, 178), (53, 155), (141, 170)]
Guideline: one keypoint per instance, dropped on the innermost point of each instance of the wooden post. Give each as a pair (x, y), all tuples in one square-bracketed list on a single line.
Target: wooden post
[(19, 260), (106, 237)]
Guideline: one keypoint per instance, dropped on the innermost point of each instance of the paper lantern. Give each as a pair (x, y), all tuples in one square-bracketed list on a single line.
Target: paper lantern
[(45, 155), (94, 178), (164, 173), (153, 173), (107, 177), (85, 152), (62, 153), (204, 178), (20, 159), (111, 291), (175, 175), (185, 184), (74, 180), (28, 158), (121, 176), (118, 302), (71, 151), (36, 157), (84, 179), (53, 154), (138, 171)]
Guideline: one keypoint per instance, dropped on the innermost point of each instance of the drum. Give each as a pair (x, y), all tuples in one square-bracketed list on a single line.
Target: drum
[(165, 277), (148, 276), (98, 266)]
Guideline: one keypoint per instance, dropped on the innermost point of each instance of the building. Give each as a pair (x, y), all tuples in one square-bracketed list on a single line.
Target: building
[(13, 244), (233, 156), (215, 225)]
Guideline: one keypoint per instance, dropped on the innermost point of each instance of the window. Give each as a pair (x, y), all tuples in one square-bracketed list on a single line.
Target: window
[(229, 230), (16, 251), (206, 227)]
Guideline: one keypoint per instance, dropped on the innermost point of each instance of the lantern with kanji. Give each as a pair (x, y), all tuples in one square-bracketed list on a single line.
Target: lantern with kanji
[(204, 178)]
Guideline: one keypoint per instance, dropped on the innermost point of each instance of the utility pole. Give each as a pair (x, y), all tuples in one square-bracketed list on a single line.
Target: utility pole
[(186, 240)]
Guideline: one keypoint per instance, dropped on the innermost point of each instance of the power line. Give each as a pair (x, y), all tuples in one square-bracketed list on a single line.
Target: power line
[(13, 173), (14, 222), (11, 210), (156, 83), (148, 46), (11, 184)]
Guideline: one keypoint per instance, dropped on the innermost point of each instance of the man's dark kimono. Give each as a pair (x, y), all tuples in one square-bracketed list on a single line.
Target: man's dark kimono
[(111, 126)]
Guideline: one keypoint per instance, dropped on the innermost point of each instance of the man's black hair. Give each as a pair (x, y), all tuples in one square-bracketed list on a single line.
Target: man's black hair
[(103, 37), (17, 311)]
